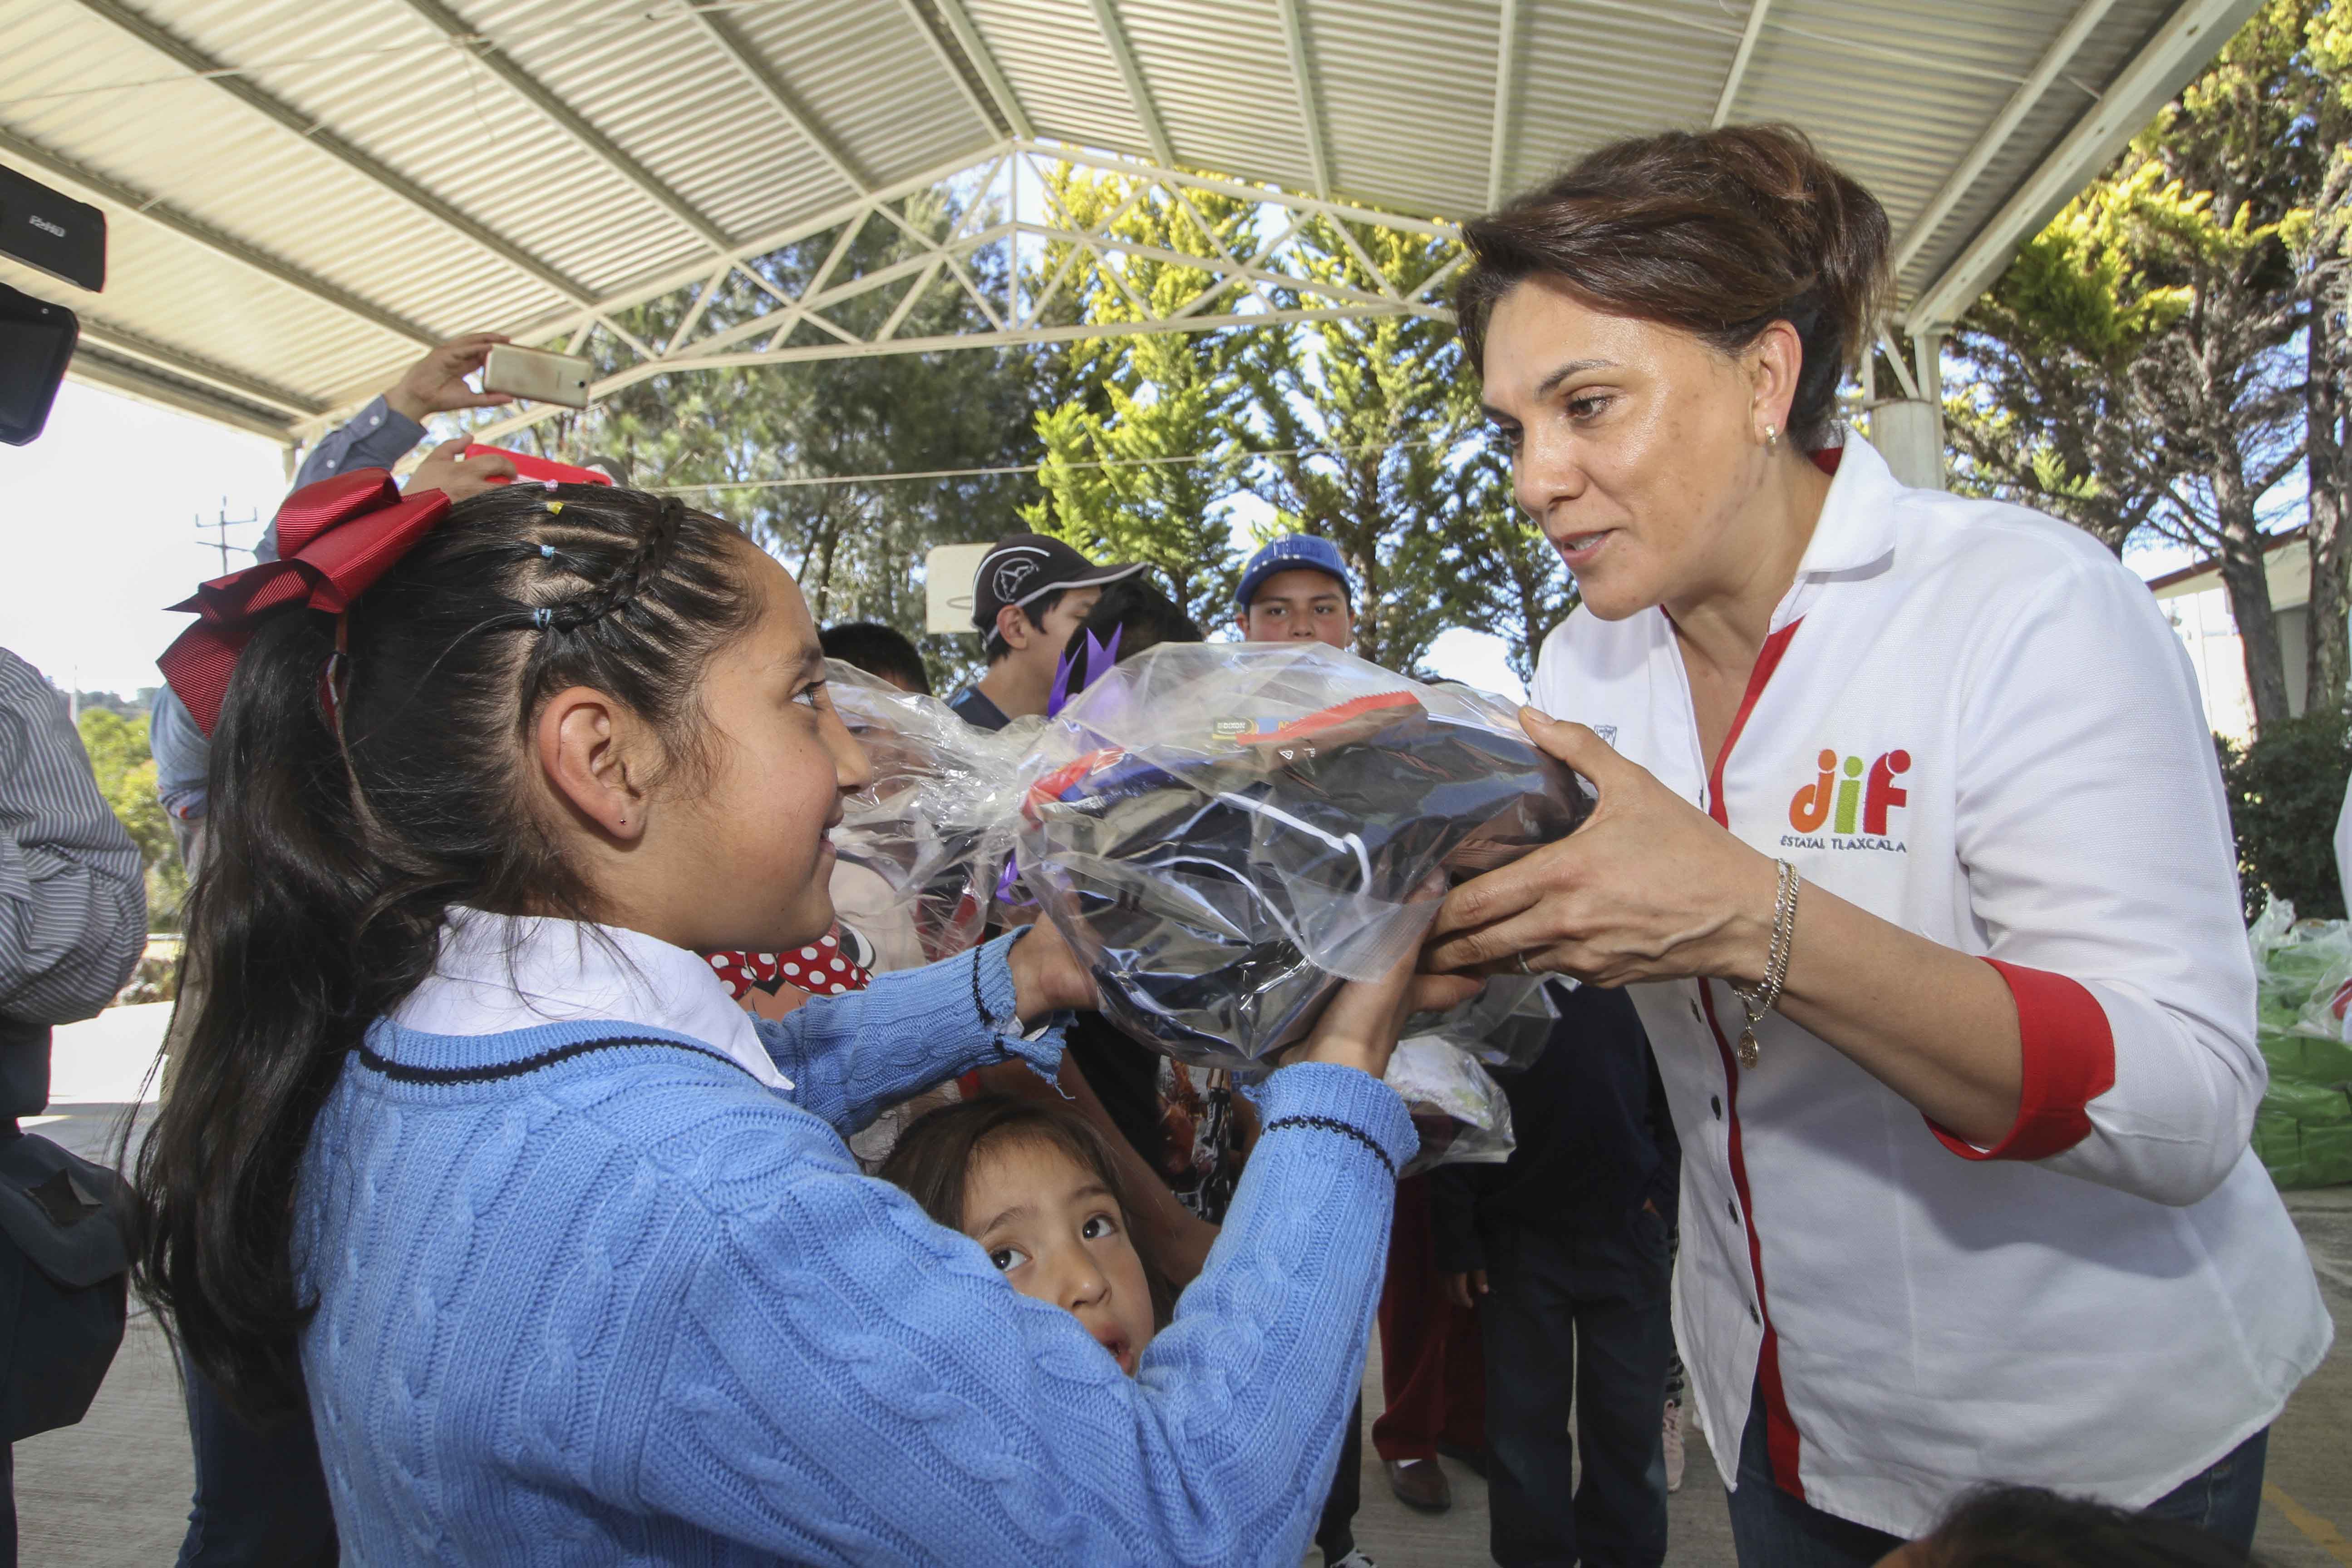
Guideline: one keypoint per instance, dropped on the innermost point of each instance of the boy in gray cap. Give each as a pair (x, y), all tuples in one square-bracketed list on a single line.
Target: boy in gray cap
[(1029, 595)]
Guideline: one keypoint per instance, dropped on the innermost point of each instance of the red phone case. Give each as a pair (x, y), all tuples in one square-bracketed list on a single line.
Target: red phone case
[(529, 467)]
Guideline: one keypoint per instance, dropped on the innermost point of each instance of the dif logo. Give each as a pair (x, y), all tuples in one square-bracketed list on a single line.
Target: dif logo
[(1843, 798)]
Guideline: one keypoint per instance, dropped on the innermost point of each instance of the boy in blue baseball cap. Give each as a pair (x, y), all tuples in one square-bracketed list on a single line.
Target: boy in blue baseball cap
[(1298, 589)]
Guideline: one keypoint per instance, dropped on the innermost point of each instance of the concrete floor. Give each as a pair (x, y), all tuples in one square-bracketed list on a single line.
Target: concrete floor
[(112, 1491)]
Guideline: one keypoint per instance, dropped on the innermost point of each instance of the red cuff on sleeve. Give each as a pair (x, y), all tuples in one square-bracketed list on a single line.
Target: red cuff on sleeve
[(2069, 1061)]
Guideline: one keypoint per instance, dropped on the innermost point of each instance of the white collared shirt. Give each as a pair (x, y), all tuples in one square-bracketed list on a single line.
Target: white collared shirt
[(497, 973), (1971, 720)]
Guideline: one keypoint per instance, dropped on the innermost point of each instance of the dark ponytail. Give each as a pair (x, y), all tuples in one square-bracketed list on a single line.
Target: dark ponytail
[(1720, 233), (330, 856)]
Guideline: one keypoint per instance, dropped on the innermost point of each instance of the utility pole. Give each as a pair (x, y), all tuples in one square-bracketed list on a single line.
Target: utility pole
[(219, 529)]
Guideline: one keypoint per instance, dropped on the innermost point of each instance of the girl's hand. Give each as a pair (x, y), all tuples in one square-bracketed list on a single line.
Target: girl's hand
[(1047, 975), (1649, 889), (1360, 1026)]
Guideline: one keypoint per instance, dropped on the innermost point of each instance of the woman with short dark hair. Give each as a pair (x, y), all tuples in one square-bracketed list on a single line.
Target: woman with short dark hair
[(1912, 853)]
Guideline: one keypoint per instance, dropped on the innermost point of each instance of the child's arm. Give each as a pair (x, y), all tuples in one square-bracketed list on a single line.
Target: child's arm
[(850, 1056), (856, 1384)]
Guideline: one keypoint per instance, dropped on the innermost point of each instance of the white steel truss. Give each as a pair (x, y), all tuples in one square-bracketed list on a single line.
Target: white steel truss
[(992, 261)]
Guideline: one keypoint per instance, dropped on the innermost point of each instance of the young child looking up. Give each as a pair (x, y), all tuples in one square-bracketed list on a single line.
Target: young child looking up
[(471, 1152), (1036, 1187)]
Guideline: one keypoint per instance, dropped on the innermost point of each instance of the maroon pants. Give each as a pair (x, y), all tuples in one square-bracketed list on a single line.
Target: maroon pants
[(1433, 1369)]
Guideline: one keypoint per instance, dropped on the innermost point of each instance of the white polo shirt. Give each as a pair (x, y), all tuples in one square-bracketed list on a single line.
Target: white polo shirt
[(1971, 720)]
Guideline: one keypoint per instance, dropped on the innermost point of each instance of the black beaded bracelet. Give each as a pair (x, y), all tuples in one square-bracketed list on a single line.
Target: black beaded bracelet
[(1331, 1124)]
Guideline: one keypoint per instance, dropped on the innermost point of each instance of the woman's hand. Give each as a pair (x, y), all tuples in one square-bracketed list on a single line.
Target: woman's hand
[(1047, 975), (1649, 889), (1653, 888)]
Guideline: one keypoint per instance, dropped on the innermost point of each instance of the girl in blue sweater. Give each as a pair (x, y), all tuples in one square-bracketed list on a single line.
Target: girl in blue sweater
[(565, 1248)]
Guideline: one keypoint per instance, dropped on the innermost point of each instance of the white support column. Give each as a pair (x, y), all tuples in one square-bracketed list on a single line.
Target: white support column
[(137, 205), (1737, 74), (1302, 74), (1928, 349), (310, 134), (1499, 139), (464, 36), (1130, 70), (1909, 431), (975, 49)]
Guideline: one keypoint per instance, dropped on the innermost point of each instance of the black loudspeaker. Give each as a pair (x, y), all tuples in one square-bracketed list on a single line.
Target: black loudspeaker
[(36, 343), (54, 232), (66, 239)]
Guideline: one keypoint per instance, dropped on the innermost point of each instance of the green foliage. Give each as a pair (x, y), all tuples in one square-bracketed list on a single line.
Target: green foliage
[(771, 442), (1366, 423), (1147, 447), (1365, 431), (2284, 791), (125, 771), (1131, 405), (2137, 367)]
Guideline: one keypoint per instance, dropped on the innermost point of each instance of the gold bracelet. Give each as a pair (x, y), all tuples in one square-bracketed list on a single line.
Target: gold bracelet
[(1756, 1001)]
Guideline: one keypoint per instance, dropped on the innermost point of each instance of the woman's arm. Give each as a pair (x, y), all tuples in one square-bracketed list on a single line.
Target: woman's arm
[(1652, 889), (850, 1056), (2108, 1029)]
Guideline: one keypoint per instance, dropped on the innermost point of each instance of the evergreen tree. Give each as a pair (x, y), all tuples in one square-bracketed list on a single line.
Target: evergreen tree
[(2135, 367), (1365, 437), (1144, 448)]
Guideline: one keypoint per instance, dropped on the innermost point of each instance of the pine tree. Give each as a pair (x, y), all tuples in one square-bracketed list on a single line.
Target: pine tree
[(2133, 368)]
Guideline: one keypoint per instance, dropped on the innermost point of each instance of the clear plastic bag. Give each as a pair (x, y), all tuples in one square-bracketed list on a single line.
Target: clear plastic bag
[(933, 832), (1460, 1111), (2303, 1021), (1507, 1025), (1224, 832)]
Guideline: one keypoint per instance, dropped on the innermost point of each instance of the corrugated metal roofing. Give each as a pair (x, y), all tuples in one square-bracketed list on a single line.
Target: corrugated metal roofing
[(356, 143)]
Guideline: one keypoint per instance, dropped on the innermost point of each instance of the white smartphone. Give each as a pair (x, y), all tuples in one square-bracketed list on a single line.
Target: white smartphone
[(539, 375)]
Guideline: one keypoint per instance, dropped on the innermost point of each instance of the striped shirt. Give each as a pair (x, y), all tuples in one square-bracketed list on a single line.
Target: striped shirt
[(73, 904)]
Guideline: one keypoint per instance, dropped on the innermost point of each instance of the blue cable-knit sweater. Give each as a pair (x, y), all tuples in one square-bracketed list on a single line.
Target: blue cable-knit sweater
[(585, 1298)]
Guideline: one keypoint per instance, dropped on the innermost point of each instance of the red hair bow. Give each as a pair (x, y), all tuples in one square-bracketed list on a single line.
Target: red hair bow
[(334, 539)]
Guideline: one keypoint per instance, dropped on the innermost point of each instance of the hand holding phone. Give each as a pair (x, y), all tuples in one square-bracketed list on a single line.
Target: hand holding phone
[(436, 383), (539, 375)]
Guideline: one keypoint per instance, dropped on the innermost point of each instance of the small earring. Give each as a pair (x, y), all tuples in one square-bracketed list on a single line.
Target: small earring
[(1772, 438)]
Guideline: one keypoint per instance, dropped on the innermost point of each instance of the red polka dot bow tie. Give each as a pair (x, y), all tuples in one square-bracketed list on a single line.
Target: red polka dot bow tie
[(829, 967)]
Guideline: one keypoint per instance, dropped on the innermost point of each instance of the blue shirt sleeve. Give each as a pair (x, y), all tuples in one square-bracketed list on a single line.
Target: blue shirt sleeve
[(855, 1384), (851, 1055), (182, 756), (377, 436)]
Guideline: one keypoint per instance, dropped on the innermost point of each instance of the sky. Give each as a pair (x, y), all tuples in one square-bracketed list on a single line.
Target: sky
[(101, 534), (101, 523)]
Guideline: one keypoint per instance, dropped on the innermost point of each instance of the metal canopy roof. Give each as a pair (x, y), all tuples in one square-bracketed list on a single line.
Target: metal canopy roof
[(303, 192)]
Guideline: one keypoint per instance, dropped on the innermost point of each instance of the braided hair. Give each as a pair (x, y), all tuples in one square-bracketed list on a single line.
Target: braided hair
[(335, 852), (624, 584)]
